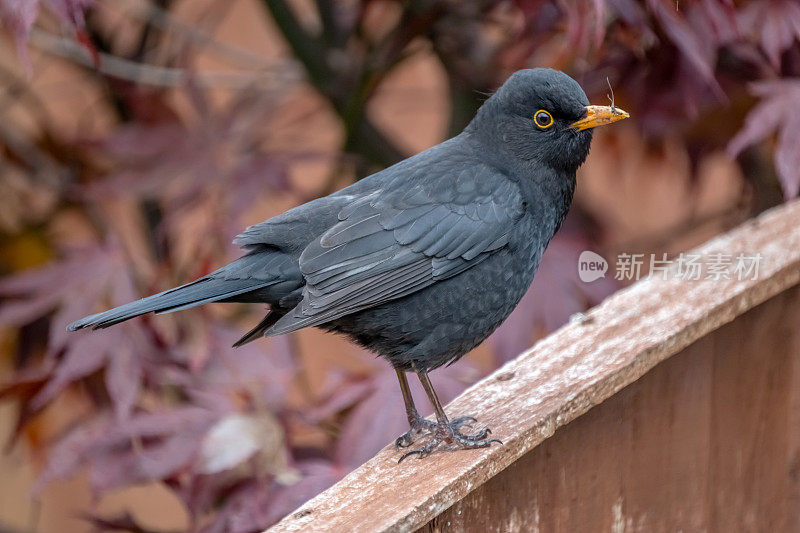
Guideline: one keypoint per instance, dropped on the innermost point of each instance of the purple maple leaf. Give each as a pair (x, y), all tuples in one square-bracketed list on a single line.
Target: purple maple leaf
[(18, 17), (70, 289), (776, 24), (777, 111)]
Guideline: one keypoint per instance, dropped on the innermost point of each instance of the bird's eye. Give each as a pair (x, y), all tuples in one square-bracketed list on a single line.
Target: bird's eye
[(543, 119)]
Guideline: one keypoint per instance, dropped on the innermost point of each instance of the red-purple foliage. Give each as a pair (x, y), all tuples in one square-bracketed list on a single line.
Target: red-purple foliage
[(168, 399), (778, 111), (18, 16)]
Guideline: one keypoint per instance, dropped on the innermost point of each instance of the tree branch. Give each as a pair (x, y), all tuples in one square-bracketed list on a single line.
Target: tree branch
[(125, 69), (346, 91)]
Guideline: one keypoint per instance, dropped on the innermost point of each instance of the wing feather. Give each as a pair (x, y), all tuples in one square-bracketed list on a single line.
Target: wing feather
[(399, 240)]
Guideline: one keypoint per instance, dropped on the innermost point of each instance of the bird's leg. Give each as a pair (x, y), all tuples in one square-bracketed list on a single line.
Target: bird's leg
[(418, 425), (446, 430)]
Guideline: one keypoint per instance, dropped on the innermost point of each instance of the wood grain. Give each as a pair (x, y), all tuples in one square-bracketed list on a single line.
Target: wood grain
[(577, 367), (702, 442)]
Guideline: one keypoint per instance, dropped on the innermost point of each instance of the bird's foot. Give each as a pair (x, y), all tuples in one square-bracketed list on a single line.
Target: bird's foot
[(422, 426), (445, 433), (419, 426)]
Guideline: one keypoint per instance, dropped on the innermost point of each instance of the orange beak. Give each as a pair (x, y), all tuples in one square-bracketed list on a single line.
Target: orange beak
[(599, 115)]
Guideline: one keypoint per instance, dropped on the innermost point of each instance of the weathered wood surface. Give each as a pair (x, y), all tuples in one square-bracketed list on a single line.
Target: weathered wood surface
[(562, 377), (706, 441)]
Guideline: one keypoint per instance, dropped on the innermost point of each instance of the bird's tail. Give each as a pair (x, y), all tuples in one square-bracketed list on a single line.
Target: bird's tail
[(198, 292), (248, 274), (258, 331)]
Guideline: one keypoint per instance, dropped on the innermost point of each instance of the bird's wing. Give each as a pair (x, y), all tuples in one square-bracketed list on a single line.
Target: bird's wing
[(400, 239), (293, 230)]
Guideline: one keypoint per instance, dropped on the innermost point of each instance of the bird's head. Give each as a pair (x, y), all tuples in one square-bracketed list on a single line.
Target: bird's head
[(542, 115)]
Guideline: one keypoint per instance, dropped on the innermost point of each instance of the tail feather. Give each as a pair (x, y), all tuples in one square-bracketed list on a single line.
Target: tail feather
[(201, 291), (258, 331), (264, 275)]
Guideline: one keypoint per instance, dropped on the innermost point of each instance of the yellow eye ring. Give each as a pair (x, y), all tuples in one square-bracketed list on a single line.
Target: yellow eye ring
[(543, 119)]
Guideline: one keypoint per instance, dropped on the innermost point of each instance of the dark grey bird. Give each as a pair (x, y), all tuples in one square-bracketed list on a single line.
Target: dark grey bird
[(422, 261)]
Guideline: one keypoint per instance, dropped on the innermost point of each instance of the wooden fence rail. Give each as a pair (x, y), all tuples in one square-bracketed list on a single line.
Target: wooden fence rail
[(708, 440)]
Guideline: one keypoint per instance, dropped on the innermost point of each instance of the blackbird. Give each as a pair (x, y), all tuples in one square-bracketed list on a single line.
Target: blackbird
[(419, 262)]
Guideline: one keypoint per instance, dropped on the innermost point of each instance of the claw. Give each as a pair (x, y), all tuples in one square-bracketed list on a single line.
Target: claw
[(422, 452), (449, 433), (482, 434), (404, 441), (465, 421), (419, 426)]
